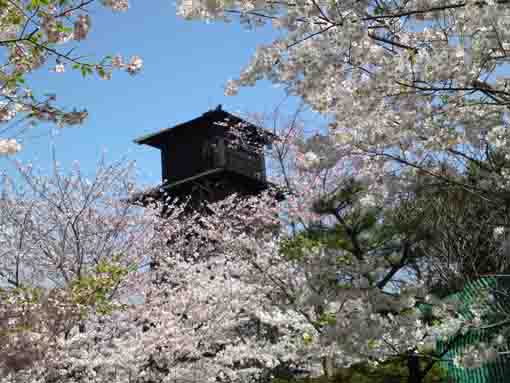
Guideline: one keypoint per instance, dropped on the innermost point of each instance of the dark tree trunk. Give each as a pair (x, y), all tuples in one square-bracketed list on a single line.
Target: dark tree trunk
[(413, 365)]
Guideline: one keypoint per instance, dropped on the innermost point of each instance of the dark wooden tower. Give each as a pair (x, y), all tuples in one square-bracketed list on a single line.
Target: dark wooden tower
[(210, 157)]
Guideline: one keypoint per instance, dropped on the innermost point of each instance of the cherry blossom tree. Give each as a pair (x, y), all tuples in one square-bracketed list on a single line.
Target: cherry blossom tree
[(68, 243), (451, 246), (232, 299), (412, 88), (408, 85), (237, 294), (39, 35)]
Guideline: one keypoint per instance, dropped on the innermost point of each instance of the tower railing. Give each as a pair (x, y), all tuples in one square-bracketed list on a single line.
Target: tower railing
[(245, 163)]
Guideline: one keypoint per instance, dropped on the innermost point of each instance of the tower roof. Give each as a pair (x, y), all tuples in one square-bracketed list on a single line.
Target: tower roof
[(214, 116)]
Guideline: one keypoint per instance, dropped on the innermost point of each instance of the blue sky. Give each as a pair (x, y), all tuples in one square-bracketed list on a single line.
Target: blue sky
[(186, 64)]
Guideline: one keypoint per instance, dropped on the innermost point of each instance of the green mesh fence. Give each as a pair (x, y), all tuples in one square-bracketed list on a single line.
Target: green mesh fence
[(493, 323)]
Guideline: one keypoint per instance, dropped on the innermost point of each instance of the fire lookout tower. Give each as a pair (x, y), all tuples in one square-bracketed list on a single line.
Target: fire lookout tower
[(209, 158)]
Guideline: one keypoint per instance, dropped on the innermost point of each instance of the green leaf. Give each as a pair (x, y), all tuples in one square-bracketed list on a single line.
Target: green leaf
[(100, 70), (62, 28), (20, 79), (327, 319), (307, 338), (379, 10)]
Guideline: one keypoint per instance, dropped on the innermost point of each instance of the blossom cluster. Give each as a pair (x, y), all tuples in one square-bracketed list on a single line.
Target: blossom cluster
[(35, 33), (9, 146), (404, 92)]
